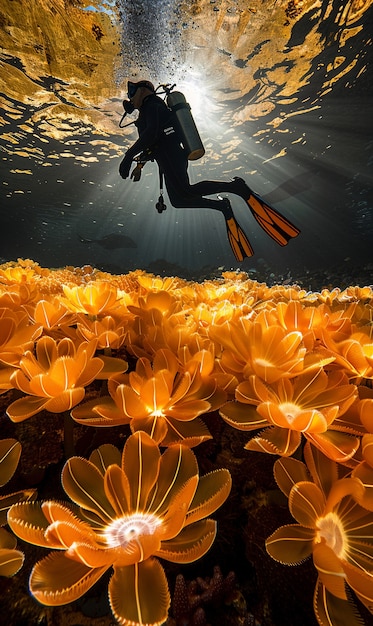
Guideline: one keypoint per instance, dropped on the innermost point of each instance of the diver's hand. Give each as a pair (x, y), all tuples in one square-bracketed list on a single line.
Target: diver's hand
[(125, 166)]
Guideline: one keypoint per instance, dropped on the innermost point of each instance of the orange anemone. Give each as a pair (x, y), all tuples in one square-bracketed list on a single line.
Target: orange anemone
[(364, 470), (333, 528), (55, 378), (96, 299), (354, 355), (268, 351), (161, 398), (132, 510), (308, 405), (11, 559), (16, 335), (109, 331), (53, 316)]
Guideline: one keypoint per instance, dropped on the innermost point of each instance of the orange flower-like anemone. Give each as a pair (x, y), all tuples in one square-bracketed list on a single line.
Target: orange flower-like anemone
[(310, 404), (132, 510), (109, 332), (313, 322), (16, 336), (355, 355), (14, 275), (251, 347), (17, 287), (55, 378), (160, 320), (100, 313), (364, 470), (333, 528), (11, 559), (161, 398), (96, 299), (53, 316)]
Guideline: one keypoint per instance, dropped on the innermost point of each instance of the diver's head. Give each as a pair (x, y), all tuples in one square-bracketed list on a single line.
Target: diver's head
[(137, 92)]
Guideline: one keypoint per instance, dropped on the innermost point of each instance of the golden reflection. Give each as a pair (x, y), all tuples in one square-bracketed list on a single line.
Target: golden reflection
[(64, 65)]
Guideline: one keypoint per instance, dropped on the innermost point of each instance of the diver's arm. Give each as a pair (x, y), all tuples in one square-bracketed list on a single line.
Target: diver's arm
[(150, 128), (150, 134)]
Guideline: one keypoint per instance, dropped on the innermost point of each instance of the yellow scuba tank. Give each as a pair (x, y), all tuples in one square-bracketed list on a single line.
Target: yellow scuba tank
[(189, 134)]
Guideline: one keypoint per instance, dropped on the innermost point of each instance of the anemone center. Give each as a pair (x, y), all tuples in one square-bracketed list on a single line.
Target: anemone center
[(290, 410), (129, 527), (263, 362), (330, 529)]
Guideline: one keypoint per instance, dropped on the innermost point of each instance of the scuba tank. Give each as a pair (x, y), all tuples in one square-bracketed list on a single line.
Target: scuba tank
[(185, 124)]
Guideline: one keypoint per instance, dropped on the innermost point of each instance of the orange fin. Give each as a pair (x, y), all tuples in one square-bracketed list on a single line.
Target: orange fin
[(241, 246), (272, 222)]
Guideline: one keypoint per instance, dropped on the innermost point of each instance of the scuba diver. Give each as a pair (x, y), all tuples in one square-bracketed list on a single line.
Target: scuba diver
[(168, 135)]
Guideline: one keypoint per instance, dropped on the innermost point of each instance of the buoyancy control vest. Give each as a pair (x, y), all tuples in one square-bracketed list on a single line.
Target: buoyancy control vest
[(184, 123)]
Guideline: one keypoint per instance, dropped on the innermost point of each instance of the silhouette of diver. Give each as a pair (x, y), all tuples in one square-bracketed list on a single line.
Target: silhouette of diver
[(159, 140)]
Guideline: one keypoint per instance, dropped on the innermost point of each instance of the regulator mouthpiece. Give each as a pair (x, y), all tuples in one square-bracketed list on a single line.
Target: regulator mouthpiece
[(128, 109)]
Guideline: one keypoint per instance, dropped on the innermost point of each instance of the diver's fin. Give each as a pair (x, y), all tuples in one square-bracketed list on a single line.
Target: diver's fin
[(272, 222), (241, 246)]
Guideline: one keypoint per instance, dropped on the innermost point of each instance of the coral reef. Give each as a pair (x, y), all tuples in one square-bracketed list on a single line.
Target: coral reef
[(140, 389), (194, 601)]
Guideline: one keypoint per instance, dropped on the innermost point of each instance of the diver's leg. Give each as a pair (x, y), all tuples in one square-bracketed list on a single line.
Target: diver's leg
[(210, 187), (276, 225), (181, 198), (174, 163), (237, 238), (182, 195)]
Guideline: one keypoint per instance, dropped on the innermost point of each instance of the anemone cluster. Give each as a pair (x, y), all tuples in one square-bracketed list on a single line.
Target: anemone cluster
[(292, 368)]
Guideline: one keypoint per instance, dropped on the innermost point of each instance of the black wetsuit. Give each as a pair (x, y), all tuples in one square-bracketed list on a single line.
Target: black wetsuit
[(158, 134)]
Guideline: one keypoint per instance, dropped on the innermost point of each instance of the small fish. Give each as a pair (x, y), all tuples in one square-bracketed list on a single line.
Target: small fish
[(111, 242)]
